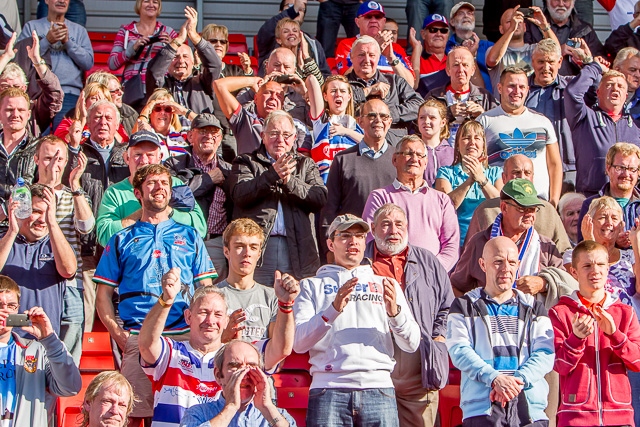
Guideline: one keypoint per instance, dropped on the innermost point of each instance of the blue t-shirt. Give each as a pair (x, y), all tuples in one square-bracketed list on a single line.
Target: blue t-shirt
[(200, 415), (136, 258), (7, 382), (456, 176)]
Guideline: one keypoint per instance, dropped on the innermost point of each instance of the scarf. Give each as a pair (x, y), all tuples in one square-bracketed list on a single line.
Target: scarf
[(529, 255)]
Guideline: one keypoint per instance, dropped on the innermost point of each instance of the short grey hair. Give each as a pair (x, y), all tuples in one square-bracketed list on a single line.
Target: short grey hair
[(548, 47), (409, 138), (568, 198), (13, 71), (204, 291), (387, 209), (277, 115), (102, 102), (362, 40), (218, 360), (623, 55)]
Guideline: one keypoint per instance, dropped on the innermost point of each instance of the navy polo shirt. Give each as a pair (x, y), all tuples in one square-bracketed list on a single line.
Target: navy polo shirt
[(33, 267)]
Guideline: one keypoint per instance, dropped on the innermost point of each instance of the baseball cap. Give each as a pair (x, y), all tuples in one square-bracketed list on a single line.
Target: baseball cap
[(203, 120), (522, 192), (144, 135), (370, 7), (457, 7), (346, 221), (434, 19)]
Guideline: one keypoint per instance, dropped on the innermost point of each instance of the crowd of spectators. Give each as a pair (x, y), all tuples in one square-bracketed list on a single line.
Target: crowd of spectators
[(463, 201)]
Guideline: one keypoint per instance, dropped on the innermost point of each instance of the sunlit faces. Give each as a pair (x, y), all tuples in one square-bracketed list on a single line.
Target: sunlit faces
[(430, 123), (283, 61), (545, 67), (181, 66), (205, 141), (623, 172), (9, 304), (513, 90), (207, 318), (436, 40), (460, 67), (103, 123), (155, 193), (290, 36), (411, 161), (371, 23), (569, 215), (518, 166), (220, 43), (337, 95), (237, 356), (605, 225), (48, 153), (15, 113), (500, 263), (517, 218), (472, 143), (391, 232), (464, 19), (243, 253), (161, 116), (375, 119), (505, 24), (109, 407), (612, 93), (364, 58), (115, 89), (150, 8), (631, 69), (348, 246), (269, 98), (279, 137), (59, 7), (591, 269), (560, 10), (142, 154), (35, 227)]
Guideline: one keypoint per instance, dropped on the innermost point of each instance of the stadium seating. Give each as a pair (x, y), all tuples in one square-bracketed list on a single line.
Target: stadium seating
[(237, 43), (102, 43)]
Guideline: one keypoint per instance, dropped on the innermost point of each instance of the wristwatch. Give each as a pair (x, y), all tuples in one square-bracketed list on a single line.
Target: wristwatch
[(78, 192), (395, 61), (399, 310)]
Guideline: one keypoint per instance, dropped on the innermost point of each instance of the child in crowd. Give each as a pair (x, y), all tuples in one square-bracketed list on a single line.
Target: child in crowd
[(597, 339)]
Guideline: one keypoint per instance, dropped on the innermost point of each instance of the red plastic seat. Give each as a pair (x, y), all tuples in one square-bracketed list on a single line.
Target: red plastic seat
[(331, 62), (292, 388), (69, 408), (449, 401), (102, 42), (97, 355), (235, 60), (237, 43), (296, 361)]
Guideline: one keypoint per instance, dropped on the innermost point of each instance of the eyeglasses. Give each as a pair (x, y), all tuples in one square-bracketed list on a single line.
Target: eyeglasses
[(383, 116), (214, 41), (159, 109), (620, 169), (214, 131), (433, 30), (347, 236), (522, 210), (275, 135), (10, 305), (116, 92), (410, 154)]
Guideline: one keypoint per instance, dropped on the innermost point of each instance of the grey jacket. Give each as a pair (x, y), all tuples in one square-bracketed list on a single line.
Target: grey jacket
[(42, 366), (429, 295)]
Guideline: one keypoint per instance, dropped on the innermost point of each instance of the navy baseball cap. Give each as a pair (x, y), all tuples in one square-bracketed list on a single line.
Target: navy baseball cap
[(144, 136), (370, 7), (434, 19)]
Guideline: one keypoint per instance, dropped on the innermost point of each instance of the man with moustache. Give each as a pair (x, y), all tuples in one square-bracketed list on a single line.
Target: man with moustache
[(135, 261), (417, 376)]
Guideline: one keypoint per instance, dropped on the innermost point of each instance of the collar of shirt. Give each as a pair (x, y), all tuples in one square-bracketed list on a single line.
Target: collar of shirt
[(510, 301), (365, 150), (390, 265), (20, 144), (206, 167), (400, 186), (100, 147), (589, 305)]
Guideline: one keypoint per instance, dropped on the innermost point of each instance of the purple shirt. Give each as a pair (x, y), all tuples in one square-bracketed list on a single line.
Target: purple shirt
[(433, 223), (437, 157)]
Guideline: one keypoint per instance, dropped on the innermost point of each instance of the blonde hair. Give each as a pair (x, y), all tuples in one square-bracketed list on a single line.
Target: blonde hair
[(604, 202), (242, 227), (103, 380), (624, 148), (211, 29), (164, 95), (284, 21), (92, 89), (138, 6)]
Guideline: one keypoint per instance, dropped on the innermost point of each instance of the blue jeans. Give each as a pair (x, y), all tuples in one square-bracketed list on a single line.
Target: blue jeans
[(330, 16), (72, 322), (76, 12), (338, 407)]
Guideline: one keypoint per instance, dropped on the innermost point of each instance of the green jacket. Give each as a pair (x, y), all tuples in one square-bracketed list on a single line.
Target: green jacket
[(119, 202)]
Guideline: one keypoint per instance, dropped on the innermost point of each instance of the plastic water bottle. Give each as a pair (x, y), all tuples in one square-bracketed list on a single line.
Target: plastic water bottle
[(22, 194)]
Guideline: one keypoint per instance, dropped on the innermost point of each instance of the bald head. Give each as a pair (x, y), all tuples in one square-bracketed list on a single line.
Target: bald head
[(281, 60), (517, 166), (497, 244), (500, 263)]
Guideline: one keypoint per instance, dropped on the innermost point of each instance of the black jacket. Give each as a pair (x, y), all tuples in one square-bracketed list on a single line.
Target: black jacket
[(620, 38), (476, 94), (95, 180), (196, 89), (577, 29), (20, 164), (128, 117), (256, 190), (200, 182)]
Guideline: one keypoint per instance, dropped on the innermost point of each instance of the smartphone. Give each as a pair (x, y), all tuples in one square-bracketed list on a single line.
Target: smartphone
[(18, 320), (285, 79), (573, 44), (526, 11)]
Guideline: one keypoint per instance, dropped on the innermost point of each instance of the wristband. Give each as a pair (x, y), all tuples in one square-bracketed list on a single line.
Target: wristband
[(483, 184), (274, 422), (289, 311), (163, 303), (285, 307), (189, 111)]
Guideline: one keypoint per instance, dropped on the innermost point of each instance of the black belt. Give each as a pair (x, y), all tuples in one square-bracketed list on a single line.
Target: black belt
[(214, 236)]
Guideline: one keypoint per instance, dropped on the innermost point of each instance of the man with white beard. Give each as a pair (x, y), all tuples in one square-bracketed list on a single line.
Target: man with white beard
[(566, 25), (422, 278)]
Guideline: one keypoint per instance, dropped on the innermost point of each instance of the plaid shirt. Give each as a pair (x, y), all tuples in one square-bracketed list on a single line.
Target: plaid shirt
[(217, 218)]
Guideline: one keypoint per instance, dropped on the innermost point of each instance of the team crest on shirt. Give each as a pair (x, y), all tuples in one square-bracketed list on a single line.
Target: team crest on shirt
[(157, 253), (30, 364), (179, 239), (185, 365)]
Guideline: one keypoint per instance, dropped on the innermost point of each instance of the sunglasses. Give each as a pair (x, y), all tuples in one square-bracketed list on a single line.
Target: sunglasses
[(159, 109), (433, 30), (214, 41)]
